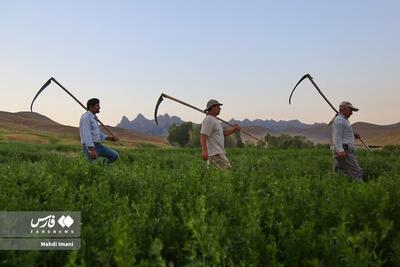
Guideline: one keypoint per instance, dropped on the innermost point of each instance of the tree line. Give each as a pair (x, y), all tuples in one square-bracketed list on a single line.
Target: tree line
[(188, 135)]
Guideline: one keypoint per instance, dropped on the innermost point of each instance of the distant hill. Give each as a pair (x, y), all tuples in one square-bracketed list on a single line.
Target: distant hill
[(36, 128), (142, 125), (277, 126), (372, 134), (377, 135)]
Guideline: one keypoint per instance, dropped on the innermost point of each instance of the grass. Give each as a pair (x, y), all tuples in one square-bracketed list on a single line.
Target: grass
[(157, 207)]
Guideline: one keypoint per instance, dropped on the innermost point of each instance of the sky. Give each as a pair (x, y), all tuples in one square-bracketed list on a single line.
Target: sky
[(246, 54)]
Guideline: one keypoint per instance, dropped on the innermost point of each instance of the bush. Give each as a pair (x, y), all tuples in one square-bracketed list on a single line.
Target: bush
[(286, 141)]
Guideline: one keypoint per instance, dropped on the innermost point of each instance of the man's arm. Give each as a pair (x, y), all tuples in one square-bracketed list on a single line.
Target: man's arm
[(337, 139), (103, 136), (111, 138), (86, 137), (232, 130), (203, 142)]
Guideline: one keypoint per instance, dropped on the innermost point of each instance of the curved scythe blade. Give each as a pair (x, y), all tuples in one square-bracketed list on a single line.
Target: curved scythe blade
[(305, 76), (158, 104), (41, 89)]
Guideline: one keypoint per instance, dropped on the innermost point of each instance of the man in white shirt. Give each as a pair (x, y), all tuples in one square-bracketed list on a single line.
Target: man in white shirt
[(212, 137), (343, 137), (91, 136)]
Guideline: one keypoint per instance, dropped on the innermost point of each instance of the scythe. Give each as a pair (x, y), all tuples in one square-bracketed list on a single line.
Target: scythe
[(324, 97), (71, 95), (162, 96)]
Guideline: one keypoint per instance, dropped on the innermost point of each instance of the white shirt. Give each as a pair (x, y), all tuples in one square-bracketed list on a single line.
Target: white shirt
[(213, 129), (342, 133), (89, 130)]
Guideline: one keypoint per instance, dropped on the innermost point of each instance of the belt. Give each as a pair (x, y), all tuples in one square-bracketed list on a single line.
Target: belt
[(348, 147), (95, 143)]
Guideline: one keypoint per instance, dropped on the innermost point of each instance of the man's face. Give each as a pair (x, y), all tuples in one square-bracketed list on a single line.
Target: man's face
[(95, 109), (347, 112), (215, 110)]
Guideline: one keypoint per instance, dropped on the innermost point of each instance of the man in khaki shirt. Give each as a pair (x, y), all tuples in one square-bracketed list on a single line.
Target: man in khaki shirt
[(212, 137)]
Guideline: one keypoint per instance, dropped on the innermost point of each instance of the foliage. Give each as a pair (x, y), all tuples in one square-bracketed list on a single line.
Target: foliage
[(188, 135), (163, 207), (194, 139), (239, 142), (179, 135), (286, 141)]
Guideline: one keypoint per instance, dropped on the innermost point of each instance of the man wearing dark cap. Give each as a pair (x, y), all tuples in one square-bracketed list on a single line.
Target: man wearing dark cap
[(343, 137), (212, 137), (91, 136)]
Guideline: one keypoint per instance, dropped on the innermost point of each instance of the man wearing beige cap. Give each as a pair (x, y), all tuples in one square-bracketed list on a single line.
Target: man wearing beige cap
[(212, 137), (343, 136)]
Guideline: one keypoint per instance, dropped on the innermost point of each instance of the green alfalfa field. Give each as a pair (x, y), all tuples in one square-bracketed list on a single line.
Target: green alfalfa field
[(162, 207)]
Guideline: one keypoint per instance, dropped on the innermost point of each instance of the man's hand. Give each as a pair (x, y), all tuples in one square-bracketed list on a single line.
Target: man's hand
[(204, 155), (237, 128), (93, 153), (357, 136), (204, 150), (341, 155)]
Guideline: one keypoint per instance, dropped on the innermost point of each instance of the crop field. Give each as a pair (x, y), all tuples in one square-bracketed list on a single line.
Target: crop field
[(162, 207)]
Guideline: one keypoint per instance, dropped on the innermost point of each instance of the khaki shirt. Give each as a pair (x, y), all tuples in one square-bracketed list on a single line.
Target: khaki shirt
[(213, 129)]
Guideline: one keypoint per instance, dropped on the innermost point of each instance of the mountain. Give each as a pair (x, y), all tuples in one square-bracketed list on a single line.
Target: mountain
[(376, 135), (36, 128), (142, 125), (146, 126), (278, 126)]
